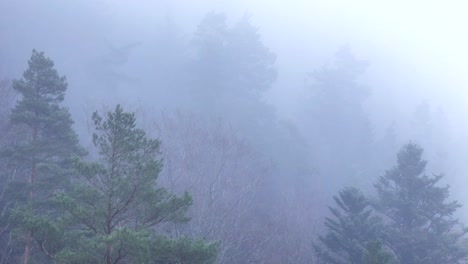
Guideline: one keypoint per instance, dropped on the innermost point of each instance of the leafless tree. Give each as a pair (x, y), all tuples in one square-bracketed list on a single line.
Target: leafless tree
[(235, 200), (224, 176)]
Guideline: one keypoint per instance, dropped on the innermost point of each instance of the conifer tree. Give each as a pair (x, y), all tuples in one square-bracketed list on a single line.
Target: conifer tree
[(232, 64), (117, 207), (353, 225), (422, 226), (42, 154)]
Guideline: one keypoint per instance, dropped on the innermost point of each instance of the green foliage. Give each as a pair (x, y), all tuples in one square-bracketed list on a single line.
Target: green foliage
[(116, 204), (419, 224), (67, 210), (41, 156), (49, 142), (350, 229), (131, 246), (422, 228), (183, 250)]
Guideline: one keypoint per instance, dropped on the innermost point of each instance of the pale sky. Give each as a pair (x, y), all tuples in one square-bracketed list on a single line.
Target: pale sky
[(422, 43)]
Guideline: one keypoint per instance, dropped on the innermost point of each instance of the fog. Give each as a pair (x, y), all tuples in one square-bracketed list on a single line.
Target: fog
[(283, 144)]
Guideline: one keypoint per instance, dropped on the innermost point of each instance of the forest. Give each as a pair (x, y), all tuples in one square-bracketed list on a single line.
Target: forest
[(151, 133)]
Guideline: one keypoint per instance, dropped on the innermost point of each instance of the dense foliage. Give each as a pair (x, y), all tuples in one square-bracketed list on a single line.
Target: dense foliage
[(41, 154), (60, 208), (351, 229), (414, 222), (422, 227)]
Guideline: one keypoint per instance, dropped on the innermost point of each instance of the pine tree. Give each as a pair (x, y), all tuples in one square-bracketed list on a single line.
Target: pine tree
[(353, 225), (422, 226), (117, 207), (42, 155), (375, 254)]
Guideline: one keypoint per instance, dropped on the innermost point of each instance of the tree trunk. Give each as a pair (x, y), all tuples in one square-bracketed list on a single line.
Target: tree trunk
[(27, 248), (32, 179), (108, 254), (109, 231)]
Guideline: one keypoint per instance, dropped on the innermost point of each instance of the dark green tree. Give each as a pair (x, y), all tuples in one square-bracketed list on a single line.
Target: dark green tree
[(41, 155), (352, 227), (183, 250), (422, 226), (117, 207)]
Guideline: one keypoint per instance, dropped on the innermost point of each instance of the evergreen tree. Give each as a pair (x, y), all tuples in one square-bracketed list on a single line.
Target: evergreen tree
[(422, 226), (116, 204), (353, 225), (41, 156), (375, 254), (232, 64), (338, 126)]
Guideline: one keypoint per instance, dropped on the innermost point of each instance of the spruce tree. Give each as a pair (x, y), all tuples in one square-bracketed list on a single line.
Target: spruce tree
[(353, 225), (117, 207), (422, 226), (41, 155)]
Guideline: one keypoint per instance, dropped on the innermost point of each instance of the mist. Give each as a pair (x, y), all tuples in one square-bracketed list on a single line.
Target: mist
[(267, 111)]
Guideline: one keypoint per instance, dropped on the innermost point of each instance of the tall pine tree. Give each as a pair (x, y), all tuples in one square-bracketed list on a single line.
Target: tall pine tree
[(116, 206), (42, 154)]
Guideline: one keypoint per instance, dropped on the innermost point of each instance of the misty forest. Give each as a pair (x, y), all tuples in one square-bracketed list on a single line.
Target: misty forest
[(197, 132)]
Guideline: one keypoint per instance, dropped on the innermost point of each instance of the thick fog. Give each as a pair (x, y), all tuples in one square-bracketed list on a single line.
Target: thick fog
[(278, 104)]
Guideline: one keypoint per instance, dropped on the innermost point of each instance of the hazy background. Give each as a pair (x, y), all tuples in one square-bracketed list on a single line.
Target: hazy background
[(416, 52)]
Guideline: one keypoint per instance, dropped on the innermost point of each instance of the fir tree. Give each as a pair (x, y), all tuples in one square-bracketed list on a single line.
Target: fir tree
[(422, 226)]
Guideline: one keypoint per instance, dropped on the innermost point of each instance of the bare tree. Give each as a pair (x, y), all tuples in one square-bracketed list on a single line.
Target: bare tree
[(227, 180), (236, 200)]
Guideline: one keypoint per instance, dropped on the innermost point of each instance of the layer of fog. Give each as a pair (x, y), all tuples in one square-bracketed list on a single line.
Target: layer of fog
[(416, 53)]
